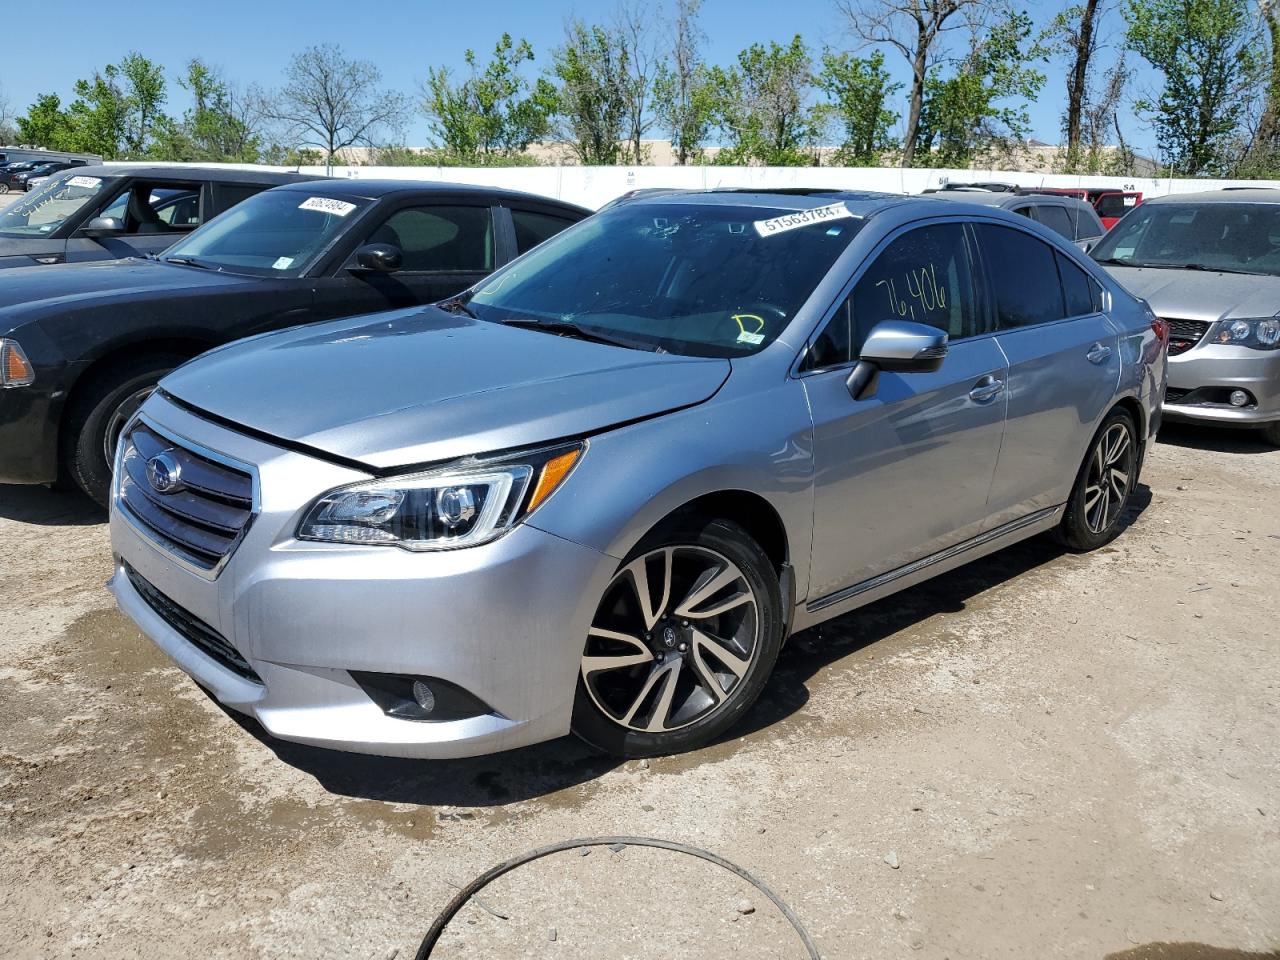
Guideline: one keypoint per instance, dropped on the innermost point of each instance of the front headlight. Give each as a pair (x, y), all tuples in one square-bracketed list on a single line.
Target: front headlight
[(1262, 333), (441, 510)]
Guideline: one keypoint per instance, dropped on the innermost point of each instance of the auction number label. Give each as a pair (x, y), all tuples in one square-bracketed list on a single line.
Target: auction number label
[(339, 208), (922, 290), (801, 218)]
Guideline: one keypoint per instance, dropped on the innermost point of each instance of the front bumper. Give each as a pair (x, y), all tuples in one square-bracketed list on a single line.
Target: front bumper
[(505, 620), (1208, 369), (28, 435)]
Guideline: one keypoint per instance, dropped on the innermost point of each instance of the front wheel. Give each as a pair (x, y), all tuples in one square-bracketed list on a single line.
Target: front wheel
[(1104, 486), (97, 416), (682, 642)]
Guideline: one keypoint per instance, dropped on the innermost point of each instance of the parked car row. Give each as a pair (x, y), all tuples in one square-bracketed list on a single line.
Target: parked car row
[(19, 175), (505, 474)]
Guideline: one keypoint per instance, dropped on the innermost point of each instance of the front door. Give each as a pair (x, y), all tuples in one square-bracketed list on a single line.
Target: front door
[(907, 472)]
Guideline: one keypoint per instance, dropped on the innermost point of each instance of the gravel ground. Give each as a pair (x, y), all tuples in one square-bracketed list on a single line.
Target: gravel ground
[(1040, 755)]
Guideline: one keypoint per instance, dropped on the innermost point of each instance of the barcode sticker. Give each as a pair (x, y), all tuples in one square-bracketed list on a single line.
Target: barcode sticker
[(83, 182), (801, 218), (339, 208)]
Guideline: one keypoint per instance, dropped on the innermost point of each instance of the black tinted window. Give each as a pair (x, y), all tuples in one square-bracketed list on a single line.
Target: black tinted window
[(1056, 219), (1079, 288), (1115, 204), (533, 228), (229, 194), (925, 276), (1024, 278), (441, 239)]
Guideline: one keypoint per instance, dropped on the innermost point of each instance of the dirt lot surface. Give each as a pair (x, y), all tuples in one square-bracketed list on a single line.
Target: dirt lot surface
[(1041, 755)]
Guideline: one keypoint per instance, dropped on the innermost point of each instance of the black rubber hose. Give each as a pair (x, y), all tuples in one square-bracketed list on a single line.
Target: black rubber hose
[(493, 873)]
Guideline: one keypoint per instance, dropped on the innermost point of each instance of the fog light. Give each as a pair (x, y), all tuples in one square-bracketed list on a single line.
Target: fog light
[(426, 699), (1239, 398)]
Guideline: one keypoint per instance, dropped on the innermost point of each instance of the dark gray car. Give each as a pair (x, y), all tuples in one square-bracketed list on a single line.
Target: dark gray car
[(1066, 216)]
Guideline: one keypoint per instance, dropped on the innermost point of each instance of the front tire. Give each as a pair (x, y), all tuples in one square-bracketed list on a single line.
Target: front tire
[(1104, 486), (99, 412), (682, 642)]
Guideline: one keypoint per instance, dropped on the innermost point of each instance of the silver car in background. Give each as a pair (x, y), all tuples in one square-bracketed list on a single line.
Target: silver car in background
[(1209, 264), (599, 490)]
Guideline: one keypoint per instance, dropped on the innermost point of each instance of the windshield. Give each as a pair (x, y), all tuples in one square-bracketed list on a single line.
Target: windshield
[(46, 209), (1239, 237), (704, 280), (271, 234)]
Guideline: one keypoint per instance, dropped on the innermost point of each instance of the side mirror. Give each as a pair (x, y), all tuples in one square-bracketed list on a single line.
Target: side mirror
[(379, 258), (1087, 245), (897, 346), (103, 227)]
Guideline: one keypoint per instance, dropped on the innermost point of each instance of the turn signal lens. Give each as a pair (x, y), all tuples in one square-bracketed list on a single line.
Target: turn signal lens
[(555, 470), (15, 368)]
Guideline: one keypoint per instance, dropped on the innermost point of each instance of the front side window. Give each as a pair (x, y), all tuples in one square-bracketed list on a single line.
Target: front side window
[(925, 276), (157, 207), (440, 239), (700, 279), (1234, 237), (1024, 277), (273, 234), (44, 210)]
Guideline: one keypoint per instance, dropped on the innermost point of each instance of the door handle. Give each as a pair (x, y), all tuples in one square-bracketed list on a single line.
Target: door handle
[(1099, 353), (986, 389)]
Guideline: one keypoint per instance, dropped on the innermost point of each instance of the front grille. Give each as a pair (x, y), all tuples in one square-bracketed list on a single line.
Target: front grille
[(195, 631), (203, 515), (1185, 334)]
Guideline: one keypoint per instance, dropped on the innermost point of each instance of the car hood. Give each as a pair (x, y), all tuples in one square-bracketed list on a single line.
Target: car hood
[(33, 290), (1201, 295), (415, 386)]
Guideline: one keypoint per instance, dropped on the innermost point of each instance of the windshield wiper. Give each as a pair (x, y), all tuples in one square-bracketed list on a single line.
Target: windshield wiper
[(458, 304), (1209, 269), (567, 328), (1120, 263), (188, 262)]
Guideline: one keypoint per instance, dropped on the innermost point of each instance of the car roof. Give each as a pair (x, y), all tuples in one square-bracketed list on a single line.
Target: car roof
[(1006, 199), (1232, 195), (860, 203), (216, 174), (376, 189)]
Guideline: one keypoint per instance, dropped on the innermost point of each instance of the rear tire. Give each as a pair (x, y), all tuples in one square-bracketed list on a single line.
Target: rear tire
[(99, 411), (694, 656), (1104, 486)]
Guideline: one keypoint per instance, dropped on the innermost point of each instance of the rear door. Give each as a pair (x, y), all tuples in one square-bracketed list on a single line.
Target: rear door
[(1064, 366), (907, 472)]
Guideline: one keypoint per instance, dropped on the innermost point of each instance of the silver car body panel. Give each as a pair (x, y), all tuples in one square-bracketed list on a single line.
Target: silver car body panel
[(871, 496)]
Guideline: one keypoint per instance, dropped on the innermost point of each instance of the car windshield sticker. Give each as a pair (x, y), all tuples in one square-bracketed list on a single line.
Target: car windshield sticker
[(338, 208), (282, 263), (83, 182), (801, 218), (753, 337), (1130, 201)]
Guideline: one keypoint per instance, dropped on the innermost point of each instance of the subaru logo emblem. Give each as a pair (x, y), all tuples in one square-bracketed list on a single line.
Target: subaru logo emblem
[(668, 638), (164, 473)]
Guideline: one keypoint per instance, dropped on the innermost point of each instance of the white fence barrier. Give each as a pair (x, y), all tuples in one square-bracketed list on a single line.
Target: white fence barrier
[(594, 186)]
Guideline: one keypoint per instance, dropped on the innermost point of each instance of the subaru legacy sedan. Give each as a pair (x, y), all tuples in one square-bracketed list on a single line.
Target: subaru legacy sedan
[(1209, 264), (598, 490)]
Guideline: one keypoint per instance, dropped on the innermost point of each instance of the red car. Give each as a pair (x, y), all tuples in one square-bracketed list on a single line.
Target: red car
[(1110, 204)]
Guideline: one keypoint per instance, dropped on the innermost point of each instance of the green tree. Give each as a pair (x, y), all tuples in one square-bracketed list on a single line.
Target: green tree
[(683, 95), (859, 90), (1073, 33), (981, 109), (46, 124), (1204, 53), (220, 126), (142, 92), (590, 96), (97, 116), (1266, 144), (762, 106), (492, 113)]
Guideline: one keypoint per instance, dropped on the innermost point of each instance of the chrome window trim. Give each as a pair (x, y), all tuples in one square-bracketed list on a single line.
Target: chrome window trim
[(171, 550)]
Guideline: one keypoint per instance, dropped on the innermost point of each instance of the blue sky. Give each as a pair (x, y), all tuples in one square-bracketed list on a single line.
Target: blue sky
[(252, 41)]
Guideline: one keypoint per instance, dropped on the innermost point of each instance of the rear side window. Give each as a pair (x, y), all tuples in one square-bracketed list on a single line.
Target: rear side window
[(532, 228), (1115, 204), (1056, 219), (1089, 226), (925, 276), (1079, 289), (440, 239), (1024, 277)]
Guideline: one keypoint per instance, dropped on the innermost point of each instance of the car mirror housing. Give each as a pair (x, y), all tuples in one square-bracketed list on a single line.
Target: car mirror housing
[(103, 227), (898, 346), (379, 258)]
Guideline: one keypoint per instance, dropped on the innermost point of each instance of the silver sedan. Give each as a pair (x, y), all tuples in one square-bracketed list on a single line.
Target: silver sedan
[(598, 491)]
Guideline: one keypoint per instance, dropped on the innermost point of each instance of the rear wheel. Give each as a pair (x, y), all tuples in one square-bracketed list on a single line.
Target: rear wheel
[(1104, 486), (682, 642), (98, 414)]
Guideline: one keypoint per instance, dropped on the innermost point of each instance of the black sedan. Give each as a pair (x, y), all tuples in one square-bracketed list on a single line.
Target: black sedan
[(81, 346), (104, 213)]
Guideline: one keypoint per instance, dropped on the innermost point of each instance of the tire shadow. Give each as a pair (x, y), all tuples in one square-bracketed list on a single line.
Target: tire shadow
[(47, 507)]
